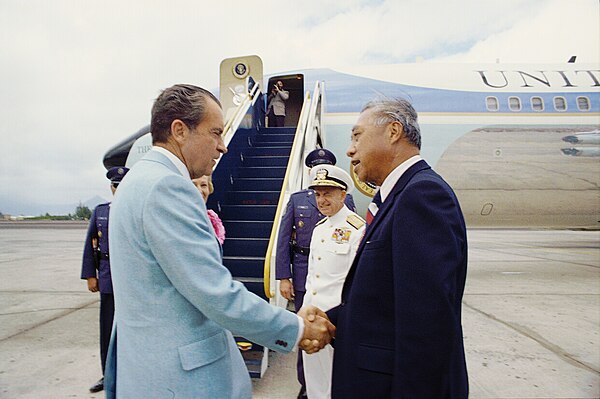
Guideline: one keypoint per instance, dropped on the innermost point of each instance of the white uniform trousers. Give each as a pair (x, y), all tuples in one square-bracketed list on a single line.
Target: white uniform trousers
[(317, 371)]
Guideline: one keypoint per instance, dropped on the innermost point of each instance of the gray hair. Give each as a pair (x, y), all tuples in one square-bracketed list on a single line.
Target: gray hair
[(386, 110), (184, 102)]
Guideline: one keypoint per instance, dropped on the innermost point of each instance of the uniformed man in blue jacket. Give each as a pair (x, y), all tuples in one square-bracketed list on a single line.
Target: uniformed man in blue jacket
[(293, 245), (95, 268)]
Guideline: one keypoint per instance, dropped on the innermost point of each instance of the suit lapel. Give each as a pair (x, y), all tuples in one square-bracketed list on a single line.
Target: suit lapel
[(386, 206)]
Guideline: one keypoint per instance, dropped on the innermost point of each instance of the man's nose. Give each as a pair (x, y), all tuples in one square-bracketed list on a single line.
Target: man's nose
[(221, 147), (351, 150)]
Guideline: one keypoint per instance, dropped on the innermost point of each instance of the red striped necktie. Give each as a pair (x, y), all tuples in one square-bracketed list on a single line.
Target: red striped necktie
[(373, 207)]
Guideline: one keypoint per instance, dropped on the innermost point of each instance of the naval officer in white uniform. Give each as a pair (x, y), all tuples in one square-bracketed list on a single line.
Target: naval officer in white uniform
[(333, 245)]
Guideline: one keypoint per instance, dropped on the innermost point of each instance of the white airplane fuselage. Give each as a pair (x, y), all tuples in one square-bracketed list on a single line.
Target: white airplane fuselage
[(499, 134)]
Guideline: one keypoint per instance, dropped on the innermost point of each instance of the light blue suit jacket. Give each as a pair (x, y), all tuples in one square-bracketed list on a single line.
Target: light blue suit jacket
[(176, 305)]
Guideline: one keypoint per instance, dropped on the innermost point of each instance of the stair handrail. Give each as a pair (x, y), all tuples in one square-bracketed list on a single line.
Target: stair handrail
[(296, 175), (291, 183), (234, 122), (313, 128)]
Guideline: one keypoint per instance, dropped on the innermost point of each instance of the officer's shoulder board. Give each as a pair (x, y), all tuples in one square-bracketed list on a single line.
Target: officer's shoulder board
[(320, 222), (355, 221)]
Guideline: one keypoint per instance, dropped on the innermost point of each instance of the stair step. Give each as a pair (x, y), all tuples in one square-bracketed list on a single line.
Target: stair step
[(245, 266), (258, 183), (263, 151), (248, 228), (263, 171), (266, 161), (253, 357), (252, 198), (245, 247), (249, 212), (271, 131), (271, 144), (274, 138), (277, 130)]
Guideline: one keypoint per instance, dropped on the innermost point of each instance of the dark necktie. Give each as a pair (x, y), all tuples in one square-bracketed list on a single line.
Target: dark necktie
[(373, 207)]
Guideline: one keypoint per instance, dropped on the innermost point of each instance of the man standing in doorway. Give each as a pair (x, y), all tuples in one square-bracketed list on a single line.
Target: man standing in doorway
[(276, 105)]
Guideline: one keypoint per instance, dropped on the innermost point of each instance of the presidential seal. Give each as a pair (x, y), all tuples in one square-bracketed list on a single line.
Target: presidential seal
[(240, 70), (364, 187)]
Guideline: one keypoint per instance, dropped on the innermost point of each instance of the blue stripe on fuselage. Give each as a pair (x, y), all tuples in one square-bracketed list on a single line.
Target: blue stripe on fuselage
[(349, 93)]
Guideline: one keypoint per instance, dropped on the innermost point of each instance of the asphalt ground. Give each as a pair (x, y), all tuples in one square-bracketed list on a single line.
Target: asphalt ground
[(531, 316)]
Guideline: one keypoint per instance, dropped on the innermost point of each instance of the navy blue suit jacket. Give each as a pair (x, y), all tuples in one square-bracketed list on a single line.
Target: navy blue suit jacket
[(399, 332)]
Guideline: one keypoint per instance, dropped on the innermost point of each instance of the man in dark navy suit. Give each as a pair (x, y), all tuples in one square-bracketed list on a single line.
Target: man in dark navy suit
[(399, 332), (95, 268), (293, 245)]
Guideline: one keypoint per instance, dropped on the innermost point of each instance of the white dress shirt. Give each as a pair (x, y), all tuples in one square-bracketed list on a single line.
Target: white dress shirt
[(391, 179)]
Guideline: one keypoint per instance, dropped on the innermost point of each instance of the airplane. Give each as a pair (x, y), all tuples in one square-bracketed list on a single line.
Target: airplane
[(519, 144)]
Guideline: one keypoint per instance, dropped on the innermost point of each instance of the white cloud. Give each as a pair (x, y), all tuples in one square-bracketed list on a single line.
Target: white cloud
[(559, 30), (79, 76)]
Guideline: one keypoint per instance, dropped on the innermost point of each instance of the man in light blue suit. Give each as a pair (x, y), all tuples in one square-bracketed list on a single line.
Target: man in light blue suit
[(176, 305)]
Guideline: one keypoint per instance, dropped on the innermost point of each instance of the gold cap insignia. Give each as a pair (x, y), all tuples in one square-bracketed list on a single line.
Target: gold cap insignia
[(321, 174)]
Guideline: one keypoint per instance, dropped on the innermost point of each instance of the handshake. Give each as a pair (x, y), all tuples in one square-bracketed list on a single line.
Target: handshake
[(318, 330)]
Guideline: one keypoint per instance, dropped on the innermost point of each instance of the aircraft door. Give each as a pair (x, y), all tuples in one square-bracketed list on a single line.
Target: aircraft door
[(232, 86), (294, 85)]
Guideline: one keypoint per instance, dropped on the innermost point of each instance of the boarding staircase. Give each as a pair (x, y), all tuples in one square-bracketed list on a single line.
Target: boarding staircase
[(249, 188), (253, 181)]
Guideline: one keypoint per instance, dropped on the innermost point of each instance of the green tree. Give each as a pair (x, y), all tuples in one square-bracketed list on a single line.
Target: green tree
[(82, 212)]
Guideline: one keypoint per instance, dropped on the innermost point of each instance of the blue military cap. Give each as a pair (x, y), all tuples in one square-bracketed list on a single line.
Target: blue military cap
[(116, 174), (318, 157)]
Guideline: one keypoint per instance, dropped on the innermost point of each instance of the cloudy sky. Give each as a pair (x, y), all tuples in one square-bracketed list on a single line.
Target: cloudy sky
[(79, 76)]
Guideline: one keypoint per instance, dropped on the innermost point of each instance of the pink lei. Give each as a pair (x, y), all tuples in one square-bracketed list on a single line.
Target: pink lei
[(217, 225)]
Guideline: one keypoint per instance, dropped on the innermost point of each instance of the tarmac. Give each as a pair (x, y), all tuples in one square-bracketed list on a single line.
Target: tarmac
[(531, 316)]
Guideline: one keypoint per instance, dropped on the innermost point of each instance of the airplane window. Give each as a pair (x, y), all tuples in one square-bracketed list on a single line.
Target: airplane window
[(537, 104), (583, 103), (491, 103), (560, 104), (514, 103)]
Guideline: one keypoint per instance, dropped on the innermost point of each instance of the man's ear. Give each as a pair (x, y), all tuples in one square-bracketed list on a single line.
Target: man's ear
[(344, 194), (395, 131), (179, 130)]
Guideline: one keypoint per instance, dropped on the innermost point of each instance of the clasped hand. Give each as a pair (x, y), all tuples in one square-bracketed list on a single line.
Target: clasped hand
[(318, 330)]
